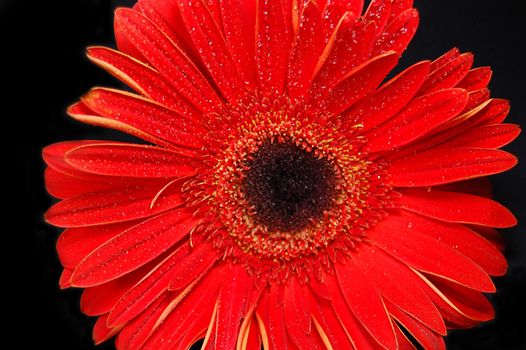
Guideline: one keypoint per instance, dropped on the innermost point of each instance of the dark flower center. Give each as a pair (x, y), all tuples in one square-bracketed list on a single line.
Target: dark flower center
[(288, 186)]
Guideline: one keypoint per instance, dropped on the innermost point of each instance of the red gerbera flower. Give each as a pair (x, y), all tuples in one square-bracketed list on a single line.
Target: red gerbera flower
[(286, 196)]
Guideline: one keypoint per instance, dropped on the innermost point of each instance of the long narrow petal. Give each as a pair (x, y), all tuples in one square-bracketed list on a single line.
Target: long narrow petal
[(426, 337), (439, 166), (240, 38), (133, 248), (428, 254), (130, 160), (334, 10), (472, 303), (332, 336), (398, 286), (419, 117), (306, 50), (153, 285), (195, 265), (462, 239), (454, 313), (398, 7), (167, 58), (144, 115), (270, 312), (365, 302), (63, 186), (389, 99), (486, 136), (476, 79), (210, 43), (101, 332), (297, 313), (74, 244), (445, 59), (54, 156), (113, 206), (398, 33), (101, 299), (274, 42), (457, 207), (448, 75), (360, 82), (378, 12), (233, 302), (349, 47), (141, 77)]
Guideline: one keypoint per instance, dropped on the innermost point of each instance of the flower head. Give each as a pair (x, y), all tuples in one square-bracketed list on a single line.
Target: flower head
[(286, 194)]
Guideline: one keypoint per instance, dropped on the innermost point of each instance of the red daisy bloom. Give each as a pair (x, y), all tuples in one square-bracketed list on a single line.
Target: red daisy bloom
[(285, 196)]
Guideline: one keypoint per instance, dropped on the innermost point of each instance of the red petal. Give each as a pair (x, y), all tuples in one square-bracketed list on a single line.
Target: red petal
[(445, 59), (334, 10), (65, 279), (379, 12), (101, 299), (427, 338), (486, 136), (270, 313), (139, 329), (192, 267), (398, 33), (448, 75), (54, 156), (402, 341), (166, 16), (327, 326), (462, 239), (167, 58), (62, 186), (439, 166), (398, 7), (124, 45), (212, 48), (101, 332), (74, 244), (182, 322), (357, 334), (424, 253), (106, 207), (306, 50), (348, 47), (365, 302), (232, 305), (137, 299), (476, 79), (476, 98), (124, 111), (273, 45), (140, 77), (473, 304), (240, 37), (450, 312), (398, 286), (360, 82), (492, 235), (253, 337), (130, 160), (418, 118), (451, 129), (133, 248), (297, 313), (390, 98), (457, 207)]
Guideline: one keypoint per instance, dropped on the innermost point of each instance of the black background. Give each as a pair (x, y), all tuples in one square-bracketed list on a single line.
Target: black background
[(43, 70)]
